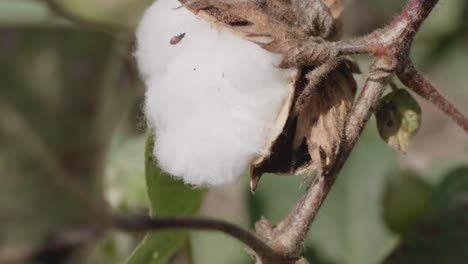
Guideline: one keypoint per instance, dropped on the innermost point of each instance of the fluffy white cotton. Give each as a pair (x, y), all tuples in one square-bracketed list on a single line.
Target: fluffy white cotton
[(212, 99)]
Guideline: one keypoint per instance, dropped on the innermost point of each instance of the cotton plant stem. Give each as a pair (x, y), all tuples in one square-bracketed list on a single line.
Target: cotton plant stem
[(138, 223), (289, 235), (361, 45), (391, 47), (420, 85), (145, 223)]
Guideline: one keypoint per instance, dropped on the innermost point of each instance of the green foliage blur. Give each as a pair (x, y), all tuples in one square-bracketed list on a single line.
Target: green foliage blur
[(70, 108)]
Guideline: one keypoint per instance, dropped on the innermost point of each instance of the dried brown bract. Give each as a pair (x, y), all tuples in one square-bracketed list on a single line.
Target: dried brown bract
[(312, 135)]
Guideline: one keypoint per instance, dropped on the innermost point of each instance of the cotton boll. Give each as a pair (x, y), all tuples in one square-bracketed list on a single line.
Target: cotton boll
[(212, 99)]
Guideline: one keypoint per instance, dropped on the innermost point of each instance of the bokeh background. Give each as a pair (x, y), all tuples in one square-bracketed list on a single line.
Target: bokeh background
[(70, 115)]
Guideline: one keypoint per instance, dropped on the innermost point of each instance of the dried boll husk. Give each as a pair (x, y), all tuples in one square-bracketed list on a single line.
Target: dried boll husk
[(311, 130), (310, 139)]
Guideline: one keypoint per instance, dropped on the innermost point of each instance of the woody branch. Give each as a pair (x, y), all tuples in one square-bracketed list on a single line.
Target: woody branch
[(391, 47)]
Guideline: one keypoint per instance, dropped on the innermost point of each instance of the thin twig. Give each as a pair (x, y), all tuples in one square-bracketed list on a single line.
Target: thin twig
[(145, 223), (398, 35), (420, 85), (64, 243), (362, 45)]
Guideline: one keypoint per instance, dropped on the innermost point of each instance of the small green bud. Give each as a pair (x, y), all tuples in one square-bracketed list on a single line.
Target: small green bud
[(398, 119)]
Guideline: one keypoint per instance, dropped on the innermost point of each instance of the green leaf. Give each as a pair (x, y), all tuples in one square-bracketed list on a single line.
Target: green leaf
[(168, 197), (23, 12), (225, 203), (348, 228), (453, 190), (406, 200), (398, 119), (125, 175), (227, 250), (125, 13), (441, 239)]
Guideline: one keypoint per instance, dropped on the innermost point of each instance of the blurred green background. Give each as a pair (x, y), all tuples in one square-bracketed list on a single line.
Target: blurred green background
[(70, 105)]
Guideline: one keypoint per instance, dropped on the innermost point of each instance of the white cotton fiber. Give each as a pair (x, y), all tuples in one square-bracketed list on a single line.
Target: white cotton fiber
[(212, 99)]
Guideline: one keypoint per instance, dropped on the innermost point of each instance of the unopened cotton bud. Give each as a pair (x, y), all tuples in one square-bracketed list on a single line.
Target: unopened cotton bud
[(212, 98)]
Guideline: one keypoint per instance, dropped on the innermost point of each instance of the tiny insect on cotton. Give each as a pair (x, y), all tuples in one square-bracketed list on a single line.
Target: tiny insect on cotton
[(212, 98)]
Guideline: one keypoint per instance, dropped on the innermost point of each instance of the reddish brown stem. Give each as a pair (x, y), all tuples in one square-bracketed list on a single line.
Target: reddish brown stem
[(65, 242), (145, 223), (415, 11), (363, 45), (289, 235), (420, 85)]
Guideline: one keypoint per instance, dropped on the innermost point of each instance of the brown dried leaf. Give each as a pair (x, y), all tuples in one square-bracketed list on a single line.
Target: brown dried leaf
[(291, 28), (323, 119), (311, 139), (336, 8), (249, 19)]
